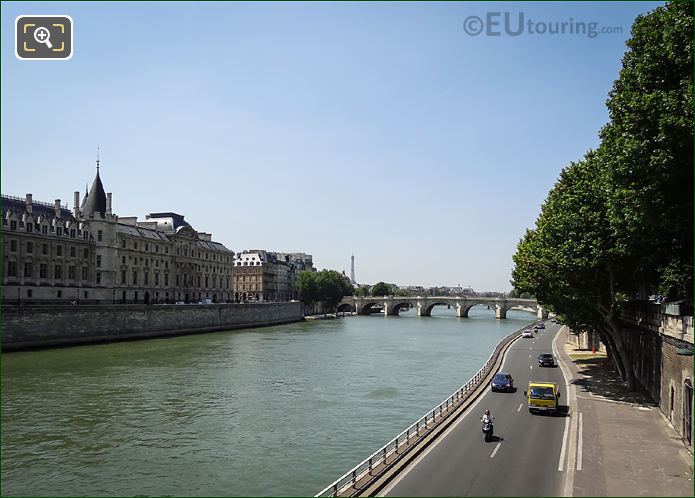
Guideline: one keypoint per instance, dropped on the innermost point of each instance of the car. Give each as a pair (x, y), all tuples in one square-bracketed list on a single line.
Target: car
[(502, 381), (541, 325), (543, 397), (527, 334), (546, 360)]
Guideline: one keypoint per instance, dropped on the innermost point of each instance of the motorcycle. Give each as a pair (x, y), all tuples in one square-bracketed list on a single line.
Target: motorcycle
[(487, 430)]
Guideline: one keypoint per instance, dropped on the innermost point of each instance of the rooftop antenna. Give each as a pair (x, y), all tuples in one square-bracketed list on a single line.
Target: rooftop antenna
[(97, 159)]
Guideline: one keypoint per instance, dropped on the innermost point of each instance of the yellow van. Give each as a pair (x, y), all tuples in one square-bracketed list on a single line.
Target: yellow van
[(542, 397)]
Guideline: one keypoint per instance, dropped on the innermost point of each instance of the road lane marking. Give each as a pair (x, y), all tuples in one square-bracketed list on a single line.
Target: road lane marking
[(519, 409), (530, 367), (560, 465), (529, 356), (572, 407), (404, 472), (495, 450), (579, 442)]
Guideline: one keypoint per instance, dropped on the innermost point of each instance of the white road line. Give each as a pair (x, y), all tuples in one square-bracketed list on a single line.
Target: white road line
[(579, 442), (560, 465), (495, 450), (520, 406), (572, 405), (437, 440), (530, 367), (529, 356)]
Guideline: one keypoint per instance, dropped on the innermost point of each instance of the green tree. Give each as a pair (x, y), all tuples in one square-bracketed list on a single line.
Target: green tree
[(621, 220), (380, 289), (567, 262), (326, 286), (648, 151), (308, 288), (333, 286), (362, 291)]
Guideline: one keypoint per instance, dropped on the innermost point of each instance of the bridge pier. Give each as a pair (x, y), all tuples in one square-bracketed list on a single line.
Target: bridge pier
[(461, 311), (390, 309), (500, 313), (422, 310), (542, 313)]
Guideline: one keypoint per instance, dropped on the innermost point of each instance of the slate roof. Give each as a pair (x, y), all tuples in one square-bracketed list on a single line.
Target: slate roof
[(10, 203), (96, 200)]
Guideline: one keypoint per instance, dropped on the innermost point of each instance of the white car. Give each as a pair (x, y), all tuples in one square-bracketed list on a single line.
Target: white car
[(527, 334)]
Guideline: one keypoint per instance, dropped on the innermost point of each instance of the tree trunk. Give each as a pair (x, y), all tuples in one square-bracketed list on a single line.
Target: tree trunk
[(612, 351), (614, 324), (614, 331)]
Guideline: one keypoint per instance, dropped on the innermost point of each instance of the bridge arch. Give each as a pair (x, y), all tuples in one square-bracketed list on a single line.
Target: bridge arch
[(366, 307), (426, 310), (346, 307)]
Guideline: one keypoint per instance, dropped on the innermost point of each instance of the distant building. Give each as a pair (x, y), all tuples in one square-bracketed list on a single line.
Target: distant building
[(300, 260), (260, 275), (90, 254)]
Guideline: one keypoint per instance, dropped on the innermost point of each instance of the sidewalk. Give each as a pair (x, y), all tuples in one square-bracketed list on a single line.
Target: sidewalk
[(626, 445)]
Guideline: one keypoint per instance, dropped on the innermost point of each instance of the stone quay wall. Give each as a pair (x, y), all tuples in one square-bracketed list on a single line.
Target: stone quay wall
[(48, 326)]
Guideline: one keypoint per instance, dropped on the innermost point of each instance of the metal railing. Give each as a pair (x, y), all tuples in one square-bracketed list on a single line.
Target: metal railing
[(417, 430), (24, 199)]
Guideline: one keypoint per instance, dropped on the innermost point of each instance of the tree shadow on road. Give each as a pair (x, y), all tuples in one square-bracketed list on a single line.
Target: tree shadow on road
[(600, 380)]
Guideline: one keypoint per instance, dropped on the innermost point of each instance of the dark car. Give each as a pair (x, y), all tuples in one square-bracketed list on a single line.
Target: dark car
[(546, 360), (540, 326), (502, 381)]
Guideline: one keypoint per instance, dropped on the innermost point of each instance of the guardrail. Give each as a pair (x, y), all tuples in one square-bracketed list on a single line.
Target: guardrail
[(451, 403)]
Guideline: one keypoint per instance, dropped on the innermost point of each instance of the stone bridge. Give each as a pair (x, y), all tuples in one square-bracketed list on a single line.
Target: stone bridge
[(392, 305)]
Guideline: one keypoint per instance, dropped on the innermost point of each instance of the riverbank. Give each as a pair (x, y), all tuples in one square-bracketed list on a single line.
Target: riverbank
[(34, 327)]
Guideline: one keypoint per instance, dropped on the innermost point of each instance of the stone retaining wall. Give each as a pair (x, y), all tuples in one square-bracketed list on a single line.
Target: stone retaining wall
[(46, 326)]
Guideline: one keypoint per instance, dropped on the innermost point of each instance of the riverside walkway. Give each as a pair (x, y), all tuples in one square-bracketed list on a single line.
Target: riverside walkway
[(605, 442)]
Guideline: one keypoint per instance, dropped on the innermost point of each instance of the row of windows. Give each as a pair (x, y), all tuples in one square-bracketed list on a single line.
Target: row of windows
[(251, 278), (29, 270), (59, 294), (147, 261), (44, 229), (146, 279), (45, 250), (179, 250), (133, 244)]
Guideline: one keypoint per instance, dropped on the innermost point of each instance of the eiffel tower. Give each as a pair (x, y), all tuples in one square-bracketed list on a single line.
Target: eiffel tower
[(352, 270)]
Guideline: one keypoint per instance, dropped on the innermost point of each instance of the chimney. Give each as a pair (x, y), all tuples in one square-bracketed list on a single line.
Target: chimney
[(29, 203), (108, 203), (56, 206), (76, 201)]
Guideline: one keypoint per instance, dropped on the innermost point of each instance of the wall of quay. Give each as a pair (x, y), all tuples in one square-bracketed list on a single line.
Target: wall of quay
[(33, 327)]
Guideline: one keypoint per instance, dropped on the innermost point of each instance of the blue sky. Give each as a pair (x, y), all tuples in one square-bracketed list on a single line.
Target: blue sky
[(382, 129)]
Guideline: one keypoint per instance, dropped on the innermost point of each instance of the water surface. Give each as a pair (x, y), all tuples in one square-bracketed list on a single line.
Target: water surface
[(281, 410)]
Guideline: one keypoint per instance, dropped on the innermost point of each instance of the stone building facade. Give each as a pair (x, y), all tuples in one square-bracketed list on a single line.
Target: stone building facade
[(48, 254), (90, 254), (268, 276), (660, 345)]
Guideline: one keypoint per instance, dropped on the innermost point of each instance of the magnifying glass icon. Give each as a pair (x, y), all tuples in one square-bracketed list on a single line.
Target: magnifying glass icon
[(42, 35)]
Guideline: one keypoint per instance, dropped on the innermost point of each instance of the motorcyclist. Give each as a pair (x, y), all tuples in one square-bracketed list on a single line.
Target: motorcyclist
[(487, 418)]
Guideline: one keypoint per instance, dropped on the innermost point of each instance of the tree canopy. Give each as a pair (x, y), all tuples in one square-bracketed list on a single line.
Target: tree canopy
[(327, 286), (381, 289), (619, 223)]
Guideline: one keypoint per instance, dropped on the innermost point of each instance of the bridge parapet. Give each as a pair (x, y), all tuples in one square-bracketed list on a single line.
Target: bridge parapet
[(424, 305)]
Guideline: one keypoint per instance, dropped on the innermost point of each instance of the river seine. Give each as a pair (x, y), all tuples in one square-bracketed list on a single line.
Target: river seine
[(277, 411)]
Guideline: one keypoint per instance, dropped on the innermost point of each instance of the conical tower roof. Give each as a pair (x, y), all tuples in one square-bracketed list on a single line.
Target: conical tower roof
[(96, 199)]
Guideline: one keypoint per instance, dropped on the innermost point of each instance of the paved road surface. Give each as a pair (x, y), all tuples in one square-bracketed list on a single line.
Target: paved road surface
[(524, 458)]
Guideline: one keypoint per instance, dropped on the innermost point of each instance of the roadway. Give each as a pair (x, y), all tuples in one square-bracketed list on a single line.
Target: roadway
[(524, 459)]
